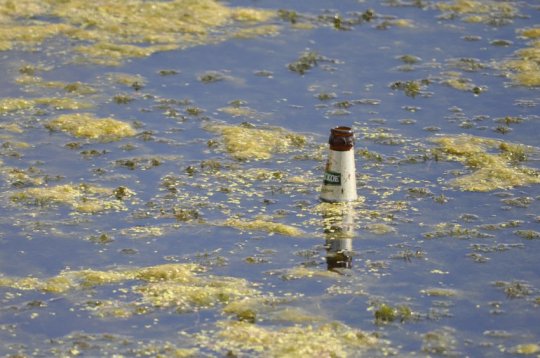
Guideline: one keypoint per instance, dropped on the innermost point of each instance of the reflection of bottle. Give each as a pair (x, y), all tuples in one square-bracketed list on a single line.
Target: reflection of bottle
[(339, 231), (340, 174), (339, 253)]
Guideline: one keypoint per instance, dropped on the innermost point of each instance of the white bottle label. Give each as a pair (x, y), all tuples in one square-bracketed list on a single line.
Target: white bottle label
[(339, 182)]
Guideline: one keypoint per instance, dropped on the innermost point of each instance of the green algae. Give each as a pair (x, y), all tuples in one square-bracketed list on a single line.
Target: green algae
[(145, 162), (405, 23), (86, 125), (201, 293), (490, 171), (249, 143), (36, 81), (439, 292), (123, 99), (305, 62), (11, 127), (531, 32), (381, 229), (8, 105), (528, 234), (458, 82), (300, 272), (474, 11), (515, 289), (410, 59), (296, 316), (339, 220), (79, 88), (386, 313), (526, 349), (165, 350), (179, 286), (110, 32), (345, 22), (77, 344), (28, 36), (127, 79), (84, 198), (107, 309), (110, 54), (212, 76), (242, 111), (246, 309), (118, 310), (257, 31), (410, 88), (328, 339), (263, 225), (23, 177), (441, 342), (31, 81), (64, 103), (143, 232), (384, 136), (524, 68), (228, 188), (454, 230), (14, 144)]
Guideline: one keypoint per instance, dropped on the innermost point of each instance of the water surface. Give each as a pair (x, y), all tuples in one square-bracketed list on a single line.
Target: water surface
[(436, 268)]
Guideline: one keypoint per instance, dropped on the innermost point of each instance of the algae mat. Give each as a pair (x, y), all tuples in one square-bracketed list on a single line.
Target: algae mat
[(116, 31), (161, 162)]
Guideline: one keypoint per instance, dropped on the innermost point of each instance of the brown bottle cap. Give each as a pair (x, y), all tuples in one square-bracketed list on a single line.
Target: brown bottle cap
[(341, 138)]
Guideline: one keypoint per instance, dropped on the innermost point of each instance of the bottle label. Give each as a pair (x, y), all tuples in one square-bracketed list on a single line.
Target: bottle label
[(332, 178)]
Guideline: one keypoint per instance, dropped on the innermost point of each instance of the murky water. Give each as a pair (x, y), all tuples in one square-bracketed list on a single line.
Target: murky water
[(135, 222)]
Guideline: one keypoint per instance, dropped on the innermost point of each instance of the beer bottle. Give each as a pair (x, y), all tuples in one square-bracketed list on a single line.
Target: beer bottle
[(339, 184)]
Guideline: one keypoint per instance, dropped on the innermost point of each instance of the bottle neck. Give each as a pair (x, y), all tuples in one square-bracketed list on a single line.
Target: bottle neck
[(341, 139)]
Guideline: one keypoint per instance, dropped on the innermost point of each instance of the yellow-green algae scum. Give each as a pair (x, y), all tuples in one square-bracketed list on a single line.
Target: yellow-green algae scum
[(495, 164), (116, 31), (111, 33), (524, 68), (187, 288)]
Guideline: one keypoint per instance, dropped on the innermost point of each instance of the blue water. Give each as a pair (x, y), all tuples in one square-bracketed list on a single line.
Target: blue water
[(359, 66)]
